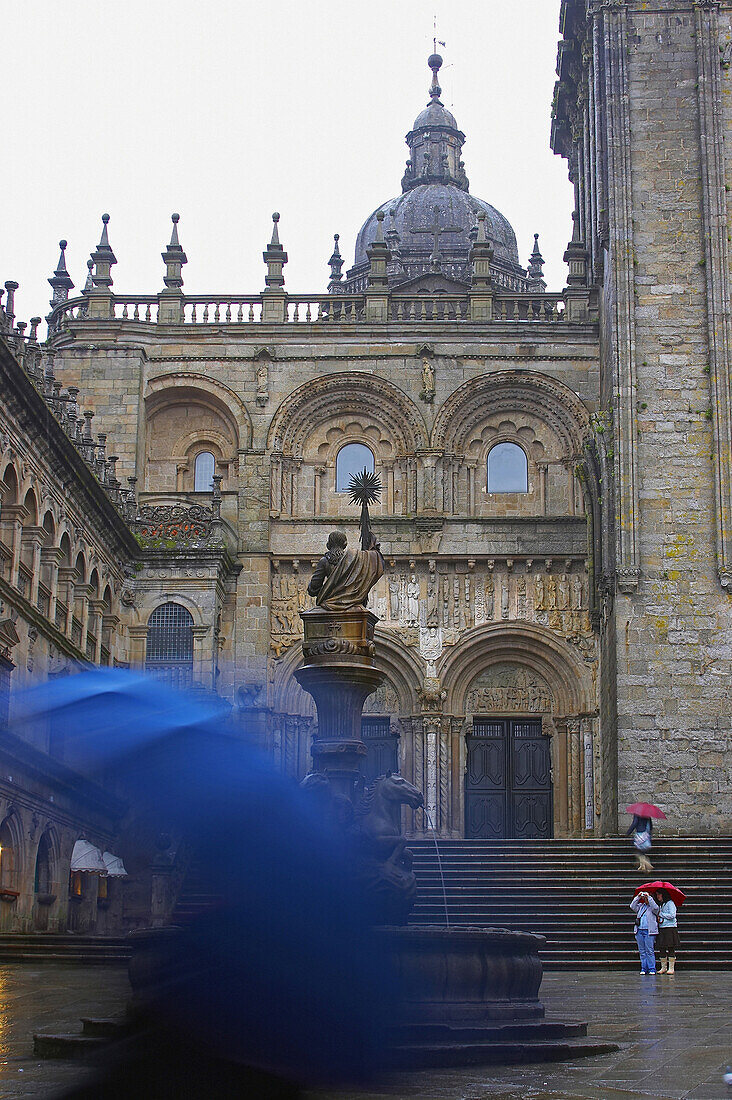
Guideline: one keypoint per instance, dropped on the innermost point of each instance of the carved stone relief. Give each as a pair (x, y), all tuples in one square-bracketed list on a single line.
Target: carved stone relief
[(382, 701), (289, 598), (508, 688)]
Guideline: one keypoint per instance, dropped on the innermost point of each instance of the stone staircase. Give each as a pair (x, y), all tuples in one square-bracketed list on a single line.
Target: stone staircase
[(37, 947), (577, 894)]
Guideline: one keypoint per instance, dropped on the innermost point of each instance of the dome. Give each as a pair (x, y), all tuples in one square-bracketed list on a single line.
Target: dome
[(429, 227), (457, 213), (433, 116)]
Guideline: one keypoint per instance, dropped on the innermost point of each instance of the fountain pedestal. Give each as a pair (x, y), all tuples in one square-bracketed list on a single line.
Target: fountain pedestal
[(340, 674)]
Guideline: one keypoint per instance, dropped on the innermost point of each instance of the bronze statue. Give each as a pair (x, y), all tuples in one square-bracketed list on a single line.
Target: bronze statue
[(343, 578)]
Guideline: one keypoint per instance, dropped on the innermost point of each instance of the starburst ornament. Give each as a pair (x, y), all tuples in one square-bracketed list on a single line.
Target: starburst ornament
[(365, 489)]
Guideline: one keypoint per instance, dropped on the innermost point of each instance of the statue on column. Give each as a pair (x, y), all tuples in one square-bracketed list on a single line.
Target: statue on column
[(343, 578)]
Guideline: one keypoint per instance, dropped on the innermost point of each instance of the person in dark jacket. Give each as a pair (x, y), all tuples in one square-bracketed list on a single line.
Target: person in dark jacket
[(642, 830)]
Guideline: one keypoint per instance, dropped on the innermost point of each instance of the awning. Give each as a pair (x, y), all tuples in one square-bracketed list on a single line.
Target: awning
[(115, 866), (85, 857)]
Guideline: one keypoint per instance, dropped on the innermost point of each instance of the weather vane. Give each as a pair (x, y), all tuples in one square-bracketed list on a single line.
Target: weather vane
[(365, 489)]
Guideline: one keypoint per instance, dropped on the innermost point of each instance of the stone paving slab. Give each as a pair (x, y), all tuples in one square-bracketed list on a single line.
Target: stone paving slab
[(675, 1035)]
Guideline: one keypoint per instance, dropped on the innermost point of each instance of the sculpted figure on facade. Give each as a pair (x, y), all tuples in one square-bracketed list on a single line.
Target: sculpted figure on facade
[(394, 597), (489, 597), (551, 592), (413, 600), (563, 599), (539, 593)]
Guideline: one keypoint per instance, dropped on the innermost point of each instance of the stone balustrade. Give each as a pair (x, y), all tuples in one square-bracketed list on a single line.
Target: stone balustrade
[(341, 309)]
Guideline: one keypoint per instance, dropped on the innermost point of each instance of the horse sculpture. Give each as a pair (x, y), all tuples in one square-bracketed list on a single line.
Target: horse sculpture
[(385, 862)]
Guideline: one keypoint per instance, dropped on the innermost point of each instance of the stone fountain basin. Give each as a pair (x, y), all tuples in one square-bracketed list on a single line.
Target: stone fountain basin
[(465, 975)]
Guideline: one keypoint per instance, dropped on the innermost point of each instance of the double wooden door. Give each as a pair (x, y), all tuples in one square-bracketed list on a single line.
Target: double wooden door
[(508, 785), (382, 748)]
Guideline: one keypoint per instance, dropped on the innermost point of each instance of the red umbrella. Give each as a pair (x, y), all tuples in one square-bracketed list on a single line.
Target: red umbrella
[(676, 895), (645, 809)]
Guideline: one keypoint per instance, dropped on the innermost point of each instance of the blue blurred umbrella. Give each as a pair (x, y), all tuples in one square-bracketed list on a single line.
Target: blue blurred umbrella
[(281, 977)]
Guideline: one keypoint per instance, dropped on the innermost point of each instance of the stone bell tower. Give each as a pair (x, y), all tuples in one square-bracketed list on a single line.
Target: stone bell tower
[(641, 112)]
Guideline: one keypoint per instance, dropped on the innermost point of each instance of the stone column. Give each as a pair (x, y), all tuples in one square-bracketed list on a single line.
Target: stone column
[(200, 674), (318, 474), (82, 593), (276, 483), (66, 576), (340, 674), (50, 558), (109, 625), (138, 639), (389, 474), (13, 515), (97, 607), (35, 537), (576, 795)]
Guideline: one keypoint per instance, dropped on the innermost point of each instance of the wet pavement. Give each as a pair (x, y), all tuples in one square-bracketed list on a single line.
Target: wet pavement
[(50, 997), (675, 1035)]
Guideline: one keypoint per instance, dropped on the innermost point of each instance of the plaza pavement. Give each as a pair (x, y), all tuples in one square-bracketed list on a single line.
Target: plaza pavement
[(675, 1035)]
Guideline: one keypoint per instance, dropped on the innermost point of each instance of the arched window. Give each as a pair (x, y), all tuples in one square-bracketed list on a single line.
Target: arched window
[(508, 470), (44, 875), (352, 459), (169, 652), (7, 856), (203, 471)]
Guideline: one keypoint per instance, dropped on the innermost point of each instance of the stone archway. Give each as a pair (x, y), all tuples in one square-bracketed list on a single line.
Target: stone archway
[(524, 674)]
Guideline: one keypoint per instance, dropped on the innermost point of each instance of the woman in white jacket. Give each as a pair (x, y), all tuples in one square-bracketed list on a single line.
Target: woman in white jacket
[(646, 929)]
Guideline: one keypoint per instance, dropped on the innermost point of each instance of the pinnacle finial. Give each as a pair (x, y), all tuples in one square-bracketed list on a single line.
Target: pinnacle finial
[(535, 270), (60, 282), (103, 258), (275, 242), (174, 257), (61, 269), (481, 237), (104, 239), (335, 262), (435, 63), (379, 226), (576, 238), (89, 280)]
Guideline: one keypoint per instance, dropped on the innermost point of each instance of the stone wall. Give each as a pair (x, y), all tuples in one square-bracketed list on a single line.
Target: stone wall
[(641, 117)]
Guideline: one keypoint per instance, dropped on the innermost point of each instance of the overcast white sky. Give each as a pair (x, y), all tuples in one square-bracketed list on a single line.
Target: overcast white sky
[(227, 110)]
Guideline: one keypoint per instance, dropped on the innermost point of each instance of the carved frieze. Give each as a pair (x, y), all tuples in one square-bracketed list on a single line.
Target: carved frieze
[(506, 688)]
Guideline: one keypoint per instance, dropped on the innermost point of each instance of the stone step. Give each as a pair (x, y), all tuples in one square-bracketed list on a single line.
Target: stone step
[(490, 1030), (103, 1028), (412, 1056), (71, 1046), (82, 957)]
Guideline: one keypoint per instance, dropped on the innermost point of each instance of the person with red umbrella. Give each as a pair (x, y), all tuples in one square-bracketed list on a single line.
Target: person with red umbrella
[(642, 828), (669, 899)]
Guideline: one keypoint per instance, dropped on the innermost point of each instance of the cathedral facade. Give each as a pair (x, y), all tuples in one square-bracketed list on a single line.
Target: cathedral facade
[(555, 517)]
